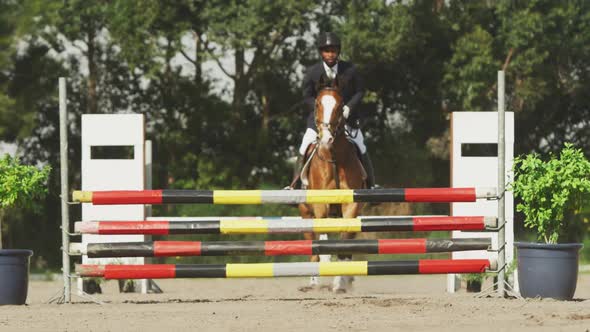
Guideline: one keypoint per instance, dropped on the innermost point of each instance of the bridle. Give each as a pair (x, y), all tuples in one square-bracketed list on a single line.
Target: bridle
[(335, 129)]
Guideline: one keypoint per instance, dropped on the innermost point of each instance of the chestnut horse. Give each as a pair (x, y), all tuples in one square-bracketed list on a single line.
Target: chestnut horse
[(333, 165)]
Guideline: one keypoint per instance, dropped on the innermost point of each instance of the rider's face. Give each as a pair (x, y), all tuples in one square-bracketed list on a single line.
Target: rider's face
[(330, 55)]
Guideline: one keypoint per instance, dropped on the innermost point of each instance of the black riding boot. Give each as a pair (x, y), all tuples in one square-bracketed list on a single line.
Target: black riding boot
[(296, 182), (368, 165)]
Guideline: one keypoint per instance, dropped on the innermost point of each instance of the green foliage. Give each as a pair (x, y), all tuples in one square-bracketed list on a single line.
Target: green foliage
[(552, 191), (7, 28), (400, 49), (471, 70), (20, 185), (509, 271), (473, 277), (5, 104), (548, 76)]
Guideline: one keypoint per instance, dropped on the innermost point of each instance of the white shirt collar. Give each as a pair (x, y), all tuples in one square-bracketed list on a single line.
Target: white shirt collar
[(334, 68)]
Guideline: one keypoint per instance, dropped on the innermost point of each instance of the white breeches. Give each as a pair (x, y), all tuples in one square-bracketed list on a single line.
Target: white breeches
[(310, 136)]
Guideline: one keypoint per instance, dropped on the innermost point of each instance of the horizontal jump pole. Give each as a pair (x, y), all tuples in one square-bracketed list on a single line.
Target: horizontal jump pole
[(269, 270), (276, 248), (338, 196), (291, 218), (277, 225)]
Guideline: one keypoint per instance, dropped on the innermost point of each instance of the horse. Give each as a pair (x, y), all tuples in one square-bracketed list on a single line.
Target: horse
[(333, 164)]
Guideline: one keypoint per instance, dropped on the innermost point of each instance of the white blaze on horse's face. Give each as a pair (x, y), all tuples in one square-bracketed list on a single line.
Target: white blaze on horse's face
[(328, 103)]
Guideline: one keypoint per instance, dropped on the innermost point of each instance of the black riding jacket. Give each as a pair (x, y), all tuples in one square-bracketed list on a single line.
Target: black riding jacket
[(349, 82)]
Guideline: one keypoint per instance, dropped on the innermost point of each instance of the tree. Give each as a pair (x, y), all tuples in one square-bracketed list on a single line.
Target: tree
[(550, 71), (543, 47), (7, 30)]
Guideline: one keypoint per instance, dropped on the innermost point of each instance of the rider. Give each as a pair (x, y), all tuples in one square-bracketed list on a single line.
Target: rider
[(352, 91)]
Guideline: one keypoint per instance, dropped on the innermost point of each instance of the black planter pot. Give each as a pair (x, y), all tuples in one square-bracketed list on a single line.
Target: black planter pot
[(14, 275), (473, 286), (548, 270)]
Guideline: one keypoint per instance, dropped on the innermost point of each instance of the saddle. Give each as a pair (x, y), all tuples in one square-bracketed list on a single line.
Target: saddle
[(309, 154)]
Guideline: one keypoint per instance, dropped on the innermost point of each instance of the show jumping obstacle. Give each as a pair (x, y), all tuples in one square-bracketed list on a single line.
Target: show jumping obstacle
[(116, 216), (275, 248)]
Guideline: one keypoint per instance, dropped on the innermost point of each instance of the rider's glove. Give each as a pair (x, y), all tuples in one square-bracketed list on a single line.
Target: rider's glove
[(346, 111)]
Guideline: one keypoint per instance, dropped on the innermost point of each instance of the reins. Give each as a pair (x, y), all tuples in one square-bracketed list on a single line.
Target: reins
[(336, 133)]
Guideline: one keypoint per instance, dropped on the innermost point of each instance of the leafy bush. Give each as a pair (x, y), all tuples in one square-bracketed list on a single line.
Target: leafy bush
[(473, 277), (20, 185), (552, 192)]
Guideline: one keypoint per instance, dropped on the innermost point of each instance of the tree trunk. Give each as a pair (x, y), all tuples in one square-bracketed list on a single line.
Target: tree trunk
[(198, 61), (240, 87), (92, 72), (265, 112)]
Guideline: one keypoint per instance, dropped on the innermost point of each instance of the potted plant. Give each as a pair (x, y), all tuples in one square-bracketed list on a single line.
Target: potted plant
[(20, 186), (551, 194), (473, 281)]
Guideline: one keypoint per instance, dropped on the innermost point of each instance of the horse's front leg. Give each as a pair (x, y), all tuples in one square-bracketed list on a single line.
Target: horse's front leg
[(350, 211), (342, 284), (310, 212)]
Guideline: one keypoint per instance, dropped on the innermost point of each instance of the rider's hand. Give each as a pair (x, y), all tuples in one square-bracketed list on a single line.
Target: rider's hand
[(346, 111)]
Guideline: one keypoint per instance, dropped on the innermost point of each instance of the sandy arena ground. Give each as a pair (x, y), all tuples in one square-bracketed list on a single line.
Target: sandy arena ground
[(400, 303)]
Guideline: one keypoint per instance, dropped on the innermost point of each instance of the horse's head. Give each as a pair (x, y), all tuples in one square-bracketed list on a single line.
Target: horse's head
[(328, 114)]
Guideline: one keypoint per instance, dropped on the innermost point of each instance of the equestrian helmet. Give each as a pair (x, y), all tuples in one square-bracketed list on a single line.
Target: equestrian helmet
[(328, 39)]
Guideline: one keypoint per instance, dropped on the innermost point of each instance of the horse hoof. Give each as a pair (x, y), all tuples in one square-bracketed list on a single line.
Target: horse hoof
[(339, 285), (342, 284), (339, 290), (326, 287), (349, 282)]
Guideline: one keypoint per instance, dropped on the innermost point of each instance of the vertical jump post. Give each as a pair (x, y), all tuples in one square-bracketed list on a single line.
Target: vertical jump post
[(65, 216), (501, 183), (482, 148)]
